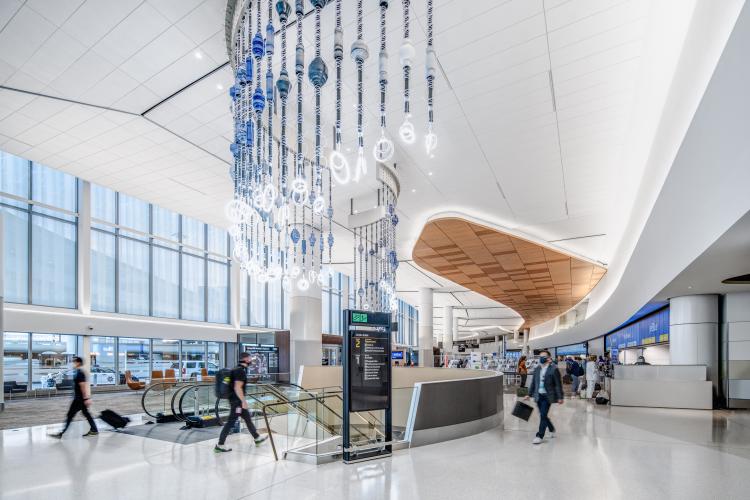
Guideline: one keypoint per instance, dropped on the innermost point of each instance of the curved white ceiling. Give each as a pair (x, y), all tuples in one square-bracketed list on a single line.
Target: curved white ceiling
[(542, 109)]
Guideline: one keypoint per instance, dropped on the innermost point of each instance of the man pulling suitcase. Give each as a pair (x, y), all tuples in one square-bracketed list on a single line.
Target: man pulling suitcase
[(237, 380)]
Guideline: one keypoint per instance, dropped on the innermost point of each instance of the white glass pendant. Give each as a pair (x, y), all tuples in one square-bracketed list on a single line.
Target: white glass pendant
[(268, 198), (339, 166), (294, 271), (286, 283), (430, 141), (382, 151), (406, 131), (303, 284), (360, 170), (319, 204)]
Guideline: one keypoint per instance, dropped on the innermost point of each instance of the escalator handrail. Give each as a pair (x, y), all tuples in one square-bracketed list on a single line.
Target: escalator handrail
[(180, 413), (164, 386)]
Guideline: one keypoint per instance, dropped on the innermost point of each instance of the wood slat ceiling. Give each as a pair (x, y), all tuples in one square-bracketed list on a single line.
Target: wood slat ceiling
[(537, 282)]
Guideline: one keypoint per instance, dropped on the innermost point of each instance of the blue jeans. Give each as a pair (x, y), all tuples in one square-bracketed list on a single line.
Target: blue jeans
[(543, 403), (576, 380)]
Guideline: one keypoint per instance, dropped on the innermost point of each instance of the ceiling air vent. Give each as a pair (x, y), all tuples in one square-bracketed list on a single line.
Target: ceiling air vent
[(738, 280)]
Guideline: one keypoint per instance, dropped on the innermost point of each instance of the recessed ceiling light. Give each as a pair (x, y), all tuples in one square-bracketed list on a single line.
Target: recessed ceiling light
[(356, 211), (198, 54), (348, 150), (690, 287), (432, 156), (413, 190), (429, 173), (220, 86)]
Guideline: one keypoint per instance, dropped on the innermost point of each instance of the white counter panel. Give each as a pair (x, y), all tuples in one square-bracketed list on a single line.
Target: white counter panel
[(662, 394)]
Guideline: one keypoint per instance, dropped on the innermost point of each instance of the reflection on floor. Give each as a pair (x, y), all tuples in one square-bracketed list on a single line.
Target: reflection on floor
[(600, 452)]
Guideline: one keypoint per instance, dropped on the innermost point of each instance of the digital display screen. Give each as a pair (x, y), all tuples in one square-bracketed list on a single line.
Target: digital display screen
[(397, 355), (368, 363), (359, 317)]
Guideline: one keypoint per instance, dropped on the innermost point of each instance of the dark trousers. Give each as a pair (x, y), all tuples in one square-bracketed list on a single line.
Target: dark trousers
[(235, 412), (76, 406), (523, 379), (544, 422)]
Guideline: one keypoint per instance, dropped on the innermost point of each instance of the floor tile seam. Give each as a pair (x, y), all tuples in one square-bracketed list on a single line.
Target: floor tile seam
[(273, 485), (617, 438)]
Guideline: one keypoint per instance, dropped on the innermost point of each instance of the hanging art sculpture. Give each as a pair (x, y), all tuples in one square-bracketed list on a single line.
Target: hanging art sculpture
[(282, 211)]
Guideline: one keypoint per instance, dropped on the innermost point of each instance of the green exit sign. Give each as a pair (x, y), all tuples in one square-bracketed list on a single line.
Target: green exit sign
[(359, 317)]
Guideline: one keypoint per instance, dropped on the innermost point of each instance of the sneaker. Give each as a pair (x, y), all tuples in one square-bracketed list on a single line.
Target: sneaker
[(57, 435), (260, 439), (537, 440), (552, 435), (221, 449), (91, 433)]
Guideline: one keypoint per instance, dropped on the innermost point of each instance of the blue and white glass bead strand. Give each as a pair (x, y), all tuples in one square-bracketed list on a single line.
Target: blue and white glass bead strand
[(318, 75), (360, 53), (406, 57), (383, 148), (337, 162), (430, 140), (299, 188)]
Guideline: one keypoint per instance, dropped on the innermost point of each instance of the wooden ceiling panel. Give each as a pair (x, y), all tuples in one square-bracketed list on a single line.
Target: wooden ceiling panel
[(538, 282)]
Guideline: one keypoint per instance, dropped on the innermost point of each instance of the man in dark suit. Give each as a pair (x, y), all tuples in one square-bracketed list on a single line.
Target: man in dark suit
[(546, 388)]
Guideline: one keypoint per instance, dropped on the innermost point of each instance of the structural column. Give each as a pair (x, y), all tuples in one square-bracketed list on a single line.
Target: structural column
[(525, 346), (2, 312), (736, 347), (305, 328), (425, 327), (84, 249), (235, 277), (694, 332), (447, 329)]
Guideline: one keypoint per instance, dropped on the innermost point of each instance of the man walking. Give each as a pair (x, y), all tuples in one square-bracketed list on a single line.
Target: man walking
[(546, 388), (238, 405), (574, 370), (81, 400)]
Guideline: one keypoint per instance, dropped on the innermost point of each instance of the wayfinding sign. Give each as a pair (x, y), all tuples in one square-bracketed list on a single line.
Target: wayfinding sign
[(367, 378)]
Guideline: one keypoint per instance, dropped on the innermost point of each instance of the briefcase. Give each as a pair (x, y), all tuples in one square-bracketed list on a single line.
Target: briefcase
[(522, 410)]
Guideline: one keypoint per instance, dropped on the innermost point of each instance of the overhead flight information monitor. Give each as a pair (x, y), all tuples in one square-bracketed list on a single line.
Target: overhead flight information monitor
[(367, 374)]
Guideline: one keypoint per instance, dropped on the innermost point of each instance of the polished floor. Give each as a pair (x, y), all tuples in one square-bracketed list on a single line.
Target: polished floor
[(599, 452)]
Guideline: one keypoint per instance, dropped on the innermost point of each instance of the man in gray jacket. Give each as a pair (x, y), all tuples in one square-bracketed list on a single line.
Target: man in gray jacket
[(546, 388)]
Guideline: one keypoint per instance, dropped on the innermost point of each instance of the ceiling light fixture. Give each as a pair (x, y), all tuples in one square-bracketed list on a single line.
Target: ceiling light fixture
[(198, 54)]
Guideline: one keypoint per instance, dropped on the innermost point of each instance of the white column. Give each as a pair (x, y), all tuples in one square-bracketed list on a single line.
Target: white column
[(694, 332), (425, 327), (86, 354), (235, 275), (84, 248), (515, 335), (2, 309), (736, 345), (305, 328), (525, 346), (455, 328), (447, 329)]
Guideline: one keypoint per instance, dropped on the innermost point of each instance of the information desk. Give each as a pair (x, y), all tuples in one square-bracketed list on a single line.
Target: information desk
[(662, 386)]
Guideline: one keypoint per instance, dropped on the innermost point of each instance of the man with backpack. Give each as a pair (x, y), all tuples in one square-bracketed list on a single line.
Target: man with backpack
[(231, 385)]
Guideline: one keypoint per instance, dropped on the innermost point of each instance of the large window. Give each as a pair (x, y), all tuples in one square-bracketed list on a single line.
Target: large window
[(39, 206), (51, 355), (16, 359), (335, 300), (165, 264), (103, 361), (135, 356)]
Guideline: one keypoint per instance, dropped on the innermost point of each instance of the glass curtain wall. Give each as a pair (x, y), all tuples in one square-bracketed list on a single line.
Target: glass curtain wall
[(16, 359), (51, 356), (150, 261), (135, 356), (40, 233)]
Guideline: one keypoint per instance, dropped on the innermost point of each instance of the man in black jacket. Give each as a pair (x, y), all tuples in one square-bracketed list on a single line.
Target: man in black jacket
[(546, 388)]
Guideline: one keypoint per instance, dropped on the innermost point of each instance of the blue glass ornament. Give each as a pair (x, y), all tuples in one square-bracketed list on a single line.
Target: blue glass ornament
[(234, 148), (259, 100), (330, 212), (330, 239), (233, 92), (241, 76), (269, 39), (312, 238), (361, 291), (283, 9), (394, 219), (283, 84), (249, 66), (318, 72), (249, 131), (259, 45), (304, 247), (269, 85), (391, 209), (294, 235), (360, 248)]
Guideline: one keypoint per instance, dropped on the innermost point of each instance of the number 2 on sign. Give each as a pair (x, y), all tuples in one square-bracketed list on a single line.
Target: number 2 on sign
[(356, 343)]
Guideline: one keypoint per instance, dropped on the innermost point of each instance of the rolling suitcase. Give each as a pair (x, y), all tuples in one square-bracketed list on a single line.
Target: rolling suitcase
[(522, 410), (114, 420)]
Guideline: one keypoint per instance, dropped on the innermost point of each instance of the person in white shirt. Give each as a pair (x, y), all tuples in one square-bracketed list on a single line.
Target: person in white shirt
[(591, 370)]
